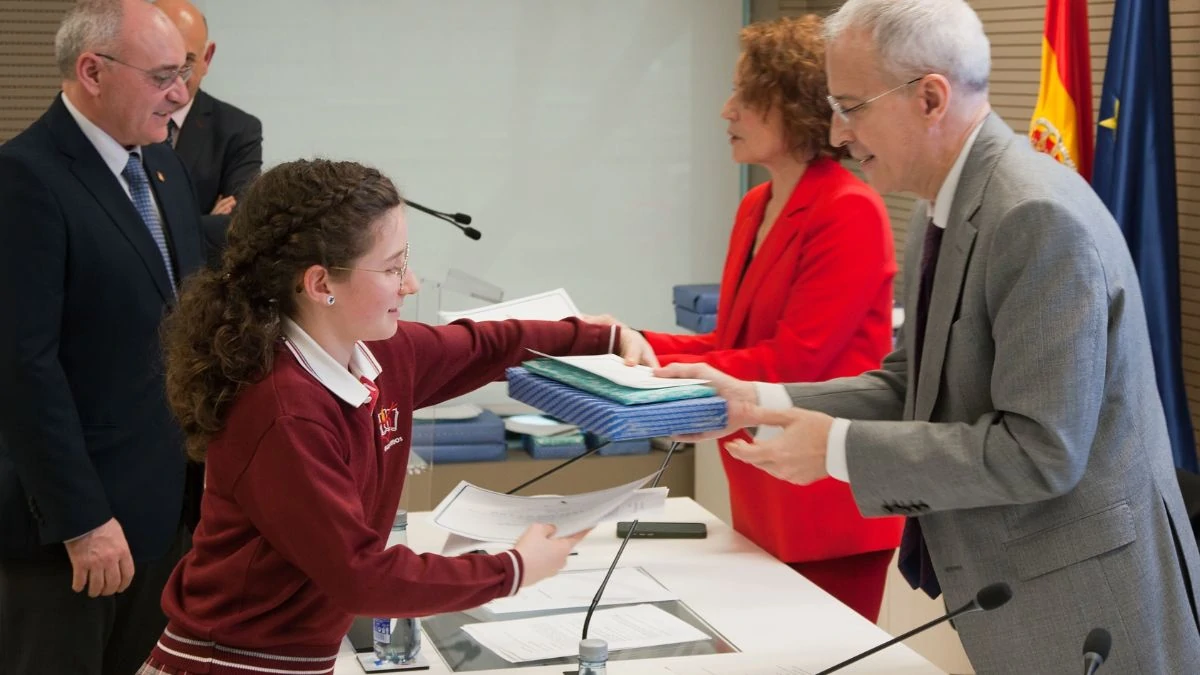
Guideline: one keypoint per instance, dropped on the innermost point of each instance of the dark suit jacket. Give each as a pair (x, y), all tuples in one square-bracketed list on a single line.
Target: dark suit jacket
[(85, 432), (222, 148)]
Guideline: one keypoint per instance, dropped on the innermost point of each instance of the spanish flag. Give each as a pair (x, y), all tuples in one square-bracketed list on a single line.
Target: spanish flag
[(1062, 121)]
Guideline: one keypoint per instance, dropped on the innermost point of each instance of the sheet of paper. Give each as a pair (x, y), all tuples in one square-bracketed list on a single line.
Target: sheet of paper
[(538, 425), (470, 511), (557, 635), (741, 668), (574, 590), (448, 413), (549, 306), (612, 368)]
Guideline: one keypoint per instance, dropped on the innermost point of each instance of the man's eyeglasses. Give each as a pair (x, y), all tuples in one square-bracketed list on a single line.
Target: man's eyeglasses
[(844, 113), (399, 272), (162, 78)]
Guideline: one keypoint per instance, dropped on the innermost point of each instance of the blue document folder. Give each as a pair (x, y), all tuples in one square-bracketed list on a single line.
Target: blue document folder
[(613, 420)]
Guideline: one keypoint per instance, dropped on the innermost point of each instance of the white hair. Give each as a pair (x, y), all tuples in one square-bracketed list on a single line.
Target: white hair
[(918, 37), (89, 26)]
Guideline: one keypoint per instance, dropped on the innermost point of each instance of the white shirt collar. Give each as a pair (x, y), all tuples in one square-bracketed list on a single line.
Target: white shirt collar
[(939, 208), (115, 155), (180, 115), (341, 382)]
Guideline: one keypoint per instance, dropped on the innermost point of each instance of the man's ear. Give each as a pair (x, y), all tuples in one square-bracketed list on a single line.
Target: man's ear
[(87, 71), (934, 93), (208, 53)]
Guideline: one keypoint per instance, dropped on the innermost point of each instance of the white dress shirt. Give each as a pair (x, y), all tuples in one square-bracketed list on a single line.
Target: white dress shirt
[(775, 396), (115, 155), (179, 116)]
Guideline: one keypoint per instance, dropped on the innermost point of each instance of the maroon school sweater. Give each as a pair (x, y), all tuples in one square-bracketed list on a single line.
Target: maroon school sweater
[(301, 491)]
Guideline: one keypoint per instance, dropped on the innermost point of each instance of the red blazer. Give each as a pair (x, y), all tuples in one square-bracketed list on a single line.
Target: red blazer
[(815, 303)]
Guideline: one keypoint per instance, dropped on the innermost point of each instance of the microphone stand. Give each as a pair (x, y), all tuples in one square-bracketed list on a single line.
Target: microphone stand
[(587, 619), (988, 598), (564, 465)]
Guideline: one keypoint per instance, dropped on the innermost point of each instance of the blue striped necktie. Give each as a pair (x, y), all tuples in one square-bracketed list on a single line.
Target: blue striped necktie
[(139, 189)]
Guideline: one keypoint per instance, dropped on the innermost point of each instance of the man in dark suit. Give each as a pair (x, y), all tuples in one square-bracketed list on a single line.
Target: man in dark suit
[(220, 144), (97, 227)]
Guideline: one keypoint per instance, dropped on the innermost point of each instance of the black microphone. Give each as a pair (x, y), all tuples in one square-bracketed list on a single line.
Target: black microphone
[(459, 220), (988, 598), (587, 619), (1095, 650)]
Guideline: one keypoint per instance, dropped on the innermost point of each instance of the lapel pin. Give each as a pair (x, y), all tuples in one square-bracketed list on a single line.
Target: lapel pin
[(161, 178)]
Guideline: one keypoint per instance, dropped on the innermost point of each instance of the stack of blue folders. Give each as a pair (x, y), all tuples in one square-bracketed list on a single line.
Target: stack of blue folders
[(696, 307), (613, 411), (479, 439), (569, 445)]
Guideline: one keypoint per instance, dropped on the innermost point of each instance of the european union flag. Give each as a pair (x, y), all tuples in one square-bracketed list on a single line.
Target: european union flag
[(1135, 176)]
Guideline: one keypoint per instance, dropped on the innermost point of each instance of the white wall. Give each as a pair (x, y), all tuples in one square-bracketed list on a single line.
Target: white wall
[(583, 136)]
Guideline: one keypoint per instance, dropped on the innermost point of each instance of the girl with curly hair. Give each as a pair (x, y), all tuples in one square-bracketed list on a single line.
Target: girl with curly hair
[(294, 378)]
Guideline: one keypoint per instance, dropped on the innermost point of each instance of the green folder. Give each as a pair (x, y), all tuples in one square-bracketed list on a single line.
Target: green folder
[(594, 384)]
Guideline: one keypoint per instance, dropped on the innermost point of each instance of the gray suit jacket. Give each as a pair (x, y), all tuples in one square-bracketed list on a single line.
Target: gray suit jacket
[(1034, 449)]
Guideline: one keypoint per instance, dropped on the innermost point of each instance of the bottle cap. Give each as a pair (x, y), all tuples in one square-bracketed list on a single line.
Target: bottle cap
[(593, 649), (401, 520)]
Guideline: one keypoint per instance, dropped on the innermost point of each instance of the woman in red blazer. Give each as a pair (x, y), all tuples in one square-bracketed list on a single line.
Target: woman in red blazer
[(806, 295)]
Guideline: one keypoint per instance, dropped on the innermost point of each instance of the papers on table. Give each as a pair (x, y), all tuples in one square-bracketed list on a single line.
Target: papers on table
[(574, 590), (548, 306), (557, 635), (612, 368), (475, 513), (742, 668)]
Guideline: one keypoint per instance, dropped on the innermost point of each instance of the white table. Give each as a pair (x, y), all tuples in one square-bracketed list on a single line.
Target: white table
[(769, 612)]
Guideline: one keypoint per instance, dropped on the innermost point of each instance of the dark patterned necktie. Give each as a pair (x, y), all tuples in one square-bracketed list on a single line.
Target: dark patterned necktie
[(914, 561), (143, 201)]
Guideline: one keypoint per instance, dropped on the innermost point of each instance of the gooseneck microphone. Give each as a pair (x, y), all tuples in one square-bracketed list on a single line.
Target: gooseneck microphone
[(988, 598), (587, 619), (1095, 650), (460, 220)]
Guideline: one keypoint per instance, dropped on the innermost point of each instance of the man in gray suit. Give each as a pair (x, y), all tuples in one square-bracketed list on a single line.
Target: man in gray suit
[(1017, 424)]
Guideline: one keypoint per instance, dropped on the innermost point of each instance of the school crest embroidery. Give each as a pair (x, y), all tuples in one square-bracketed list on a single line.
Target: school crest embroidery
[(388, 419)]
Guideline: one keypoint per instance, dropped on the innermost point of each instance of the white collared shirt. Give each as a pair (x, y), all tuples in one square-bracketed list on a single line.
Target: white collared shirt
[(115, 155), (332, 375), (939, 208), (775, 396), (179, 116)]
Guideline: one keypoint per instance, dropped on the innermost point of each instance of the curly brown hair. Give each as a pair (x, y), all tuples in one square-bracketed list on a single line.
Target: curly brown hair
[(223, 335), (783, 64)]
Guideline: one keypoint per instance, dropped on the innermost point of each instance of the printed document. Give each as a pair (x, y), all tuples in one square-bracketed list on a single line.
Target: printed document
[(557, 635), (612, 368), (575, 589), (473, 512)]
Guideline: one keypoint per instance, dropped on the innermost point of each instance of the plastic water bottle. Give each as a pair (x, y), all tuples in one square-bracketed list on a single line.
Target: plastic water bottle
[(397, 640), (593, 657)]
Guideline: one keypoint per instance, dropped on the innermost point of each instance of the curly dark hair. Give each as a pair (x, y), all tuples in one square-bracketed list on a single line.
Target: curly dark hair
[(783, 64), (223, 335)]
